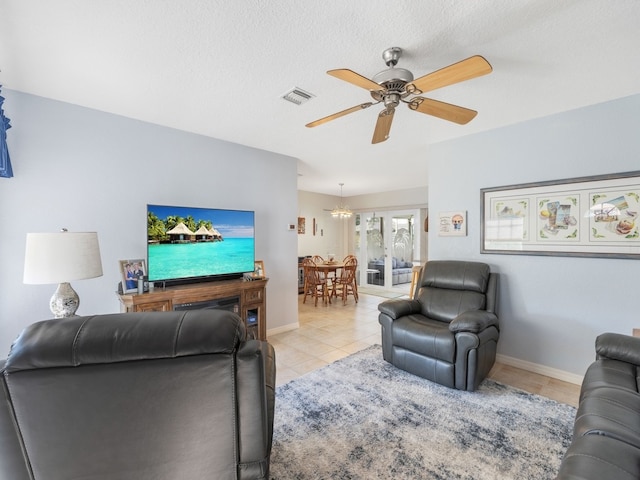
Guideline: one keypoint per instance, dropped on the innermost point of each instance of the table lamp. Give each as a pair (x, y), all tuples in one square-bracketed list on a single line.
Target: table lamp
[(61, 258)]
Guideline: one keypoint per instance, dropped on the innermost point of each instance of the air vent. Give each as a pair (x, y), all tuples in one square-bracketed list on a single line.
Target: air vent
[(298, 96)]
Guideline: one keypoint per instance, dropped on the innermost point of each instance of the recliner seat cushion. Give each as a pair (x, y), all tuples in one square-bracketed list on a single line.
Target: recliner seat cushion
[(427, 337)]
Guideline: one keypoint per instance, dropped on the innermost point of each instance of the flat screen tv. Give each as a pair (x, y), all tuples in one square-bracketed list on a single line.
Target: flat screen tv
[(187, 245)]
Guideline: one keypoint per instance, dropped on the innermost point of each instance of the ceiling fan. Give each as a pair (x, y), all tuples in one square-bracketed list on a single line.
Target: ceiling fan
[(395, 85)]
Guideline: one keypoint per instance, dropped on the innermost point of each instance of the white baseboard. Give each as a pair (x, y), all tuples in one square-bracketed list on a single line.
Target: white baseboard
[(283, 328), (540, 369)]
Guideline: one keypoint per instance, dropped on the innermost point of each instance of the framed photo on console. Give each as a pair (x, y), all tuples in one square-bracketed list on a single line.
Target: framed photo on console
[(130, 271), (597, 216), (259, 272)]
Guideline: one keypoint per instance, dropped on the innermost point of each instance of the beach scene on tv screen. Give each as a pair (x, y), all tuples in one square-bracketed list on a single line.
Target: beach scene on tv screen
[(186, 242)]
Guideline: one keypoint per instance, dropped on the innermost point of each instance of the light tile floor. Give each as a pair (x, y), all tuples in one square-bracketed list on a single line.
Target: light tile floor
[(328, 333)]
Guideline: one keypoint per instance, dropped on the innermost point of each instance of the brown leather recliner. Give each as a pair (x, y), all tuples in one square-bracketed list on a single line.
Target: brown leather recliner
[(448, 333), (138, 396)]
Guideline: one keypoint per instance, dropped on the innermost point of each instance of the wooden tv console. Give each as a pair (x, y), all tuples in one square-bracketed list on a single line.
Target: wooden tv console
[(252, 300)]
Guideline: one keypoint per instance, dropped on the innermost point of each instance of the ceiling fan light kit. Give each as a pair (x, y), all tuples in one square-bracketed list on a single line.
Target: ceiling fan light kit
[(397, 85)]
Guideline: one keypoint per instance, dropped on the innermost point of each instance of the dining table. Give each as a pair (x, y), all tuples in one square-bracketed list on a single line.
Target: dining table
[(326, 268)]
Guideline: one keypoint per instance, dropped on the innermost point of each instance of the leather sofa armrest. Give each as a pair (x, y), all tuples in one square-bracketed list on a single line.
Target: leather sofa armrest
[(12, 460), (617, 346), (473, 321), (256, 370), (399, 308)]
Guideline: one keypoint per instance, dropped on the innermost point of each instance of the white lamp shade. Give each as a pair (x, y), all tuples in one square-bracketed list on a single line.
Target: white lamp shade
[(61, 257)]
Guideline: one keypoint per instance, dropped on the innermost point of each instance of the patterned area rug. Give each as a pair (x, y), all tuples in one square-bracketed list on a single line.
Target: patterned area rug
[(361, 418)]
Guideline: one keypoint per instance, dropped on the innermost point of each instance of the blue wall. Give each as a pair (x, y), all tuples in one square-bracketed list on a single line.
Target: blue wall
[(551, 308), (88, 170), (92, 171)]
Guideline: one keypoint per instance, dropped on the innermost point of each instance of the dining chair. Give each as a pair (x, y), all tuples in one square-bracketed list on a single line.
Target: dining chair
[(329, 276), (351, 257), (315, 283), (415, 275), (355, 277), (345, 284)]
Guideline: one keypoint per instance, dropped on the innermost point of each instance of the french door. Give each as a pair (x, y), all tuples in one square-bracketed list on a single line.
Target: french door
[(386, 244)]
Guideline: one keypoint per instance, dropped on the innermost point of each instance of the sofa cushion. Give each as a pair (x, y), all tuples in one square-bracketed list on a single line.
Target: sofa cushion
[(610, 373), (612, 412), (595, 457)]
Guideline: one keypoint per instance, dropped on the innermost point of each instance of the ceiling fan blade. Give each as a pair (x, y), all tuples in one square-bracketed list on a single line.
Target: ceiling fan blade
[(442, 110), (354, 78), (467, 69), (322, 120), (383, 126)]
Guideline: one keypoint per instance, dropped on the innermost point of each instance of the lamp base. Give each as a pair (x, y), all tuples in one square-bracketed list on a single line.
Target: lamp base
[(65, 301)]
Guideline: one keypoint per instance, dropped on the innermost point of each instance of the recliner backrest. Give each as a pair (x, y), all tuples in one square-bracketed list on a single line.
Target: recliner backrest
[(449, 287), (138, 396)]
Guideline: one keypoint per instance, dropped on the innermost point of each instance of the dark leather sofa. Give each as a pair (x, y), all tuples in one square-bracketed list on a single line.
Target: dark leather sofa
[(606, 436), (448, 333), (137, 396)]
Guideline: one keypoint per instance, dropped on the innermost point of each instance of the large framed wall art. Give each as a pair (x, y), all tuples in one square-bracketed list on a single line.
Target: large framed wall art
[(595, 216)]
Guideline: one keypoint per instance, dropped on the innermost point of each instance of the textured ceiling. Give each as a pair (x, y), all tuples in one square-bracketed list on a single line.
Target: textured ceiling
[(220, 67)]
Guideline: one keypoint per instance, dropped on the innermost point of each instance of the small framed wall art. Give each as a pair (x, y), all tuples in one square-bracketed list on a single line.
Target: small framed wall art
[(452, 224)]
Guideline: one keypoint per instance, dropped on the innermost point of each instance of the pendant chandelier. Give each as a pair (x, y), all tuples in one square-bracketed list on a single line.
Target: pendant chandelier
[(341, 211)]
